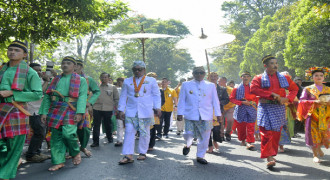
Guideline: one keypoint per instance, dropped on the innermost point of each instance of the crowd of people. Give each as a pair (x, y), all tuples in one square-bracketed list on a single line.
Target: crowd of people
[(66, 107)]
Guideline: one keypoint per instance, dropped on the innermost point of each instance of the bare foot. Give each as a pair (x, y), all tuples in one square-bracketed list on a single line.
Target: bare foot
[(56, 167), (77, 159), (321, 153), (68, 157), (20, 161), (216, 145), (86, 152), (243, 143)]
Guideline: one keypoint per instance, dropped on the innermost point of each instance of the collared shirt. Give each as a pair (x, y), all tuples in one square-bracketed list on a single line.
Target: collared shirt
[(198, 100), (143, 105), (230, 104), (169, 94), (108, 98)]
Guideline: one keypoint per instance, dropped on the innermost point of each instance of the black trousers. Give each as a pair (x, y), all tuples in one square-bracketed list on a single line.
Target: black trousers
[(166, 118), (39, 133), (98, 116), (152, 137)]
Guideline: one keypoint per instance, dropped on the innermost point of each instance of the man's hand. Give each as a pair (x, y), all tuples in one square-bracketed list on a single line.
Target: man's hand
[(276, 96), (158, 112), (283, 100), (219, 119), (43, 118), (77, 117), (179, 118), (121, 115), (6, 93), (247, 103)]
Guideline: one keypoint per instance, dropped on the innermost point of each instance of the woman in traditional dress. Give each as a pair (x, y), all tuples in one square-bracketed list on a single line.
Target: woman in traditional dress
[(314, 108)]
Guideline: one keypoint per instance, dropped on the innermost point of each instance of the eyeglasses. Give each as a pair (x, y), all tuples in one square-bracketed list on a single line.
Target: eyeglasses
[(201, 73), (137, 69)]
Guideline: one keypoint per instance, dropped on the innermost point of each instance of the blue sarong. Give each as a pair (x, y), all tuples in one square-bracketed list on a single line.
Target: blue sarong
[(245, 113), (271, 116)]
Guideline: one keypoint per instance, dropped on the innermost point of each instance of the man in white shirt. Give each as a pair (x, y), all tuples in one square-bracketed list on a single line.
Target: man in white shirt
[(140, 96), (198, 100)]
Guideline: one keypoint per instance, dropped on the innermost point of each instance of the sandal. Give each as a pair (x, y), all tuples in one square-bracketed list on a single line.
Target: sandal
[(125, 160), (141, 157)]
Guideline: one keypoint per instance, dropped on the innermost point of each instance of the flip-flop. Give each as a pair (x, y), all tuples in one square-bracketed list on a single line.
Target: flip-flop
[(271, 164), (141, 157), (127, 160)]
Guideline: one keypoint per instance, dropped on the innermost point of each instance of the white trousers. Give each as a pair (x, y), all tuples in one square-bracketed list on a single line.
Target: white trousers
[(202, 145), (120, 130), (129, 140)]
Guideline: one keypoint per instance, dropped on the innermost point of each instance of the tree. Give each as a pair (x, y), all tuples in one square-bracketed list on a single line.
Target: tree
[(308, 39), (244, 17), (161, 55), (269, 39), (49, 21)]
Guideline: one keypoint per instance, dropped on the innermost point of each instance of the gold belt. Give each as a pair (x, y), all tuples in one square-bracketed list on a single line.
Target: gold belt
[(65, 99)]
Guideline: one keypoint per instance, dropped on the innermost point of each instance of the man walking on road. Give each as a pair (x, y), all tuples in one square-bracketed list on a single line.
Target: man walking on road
[(271, 86), (63, 106), (18, 84), (171, 99), (140, 96), (198, 100), (93, 93), (103, 108)]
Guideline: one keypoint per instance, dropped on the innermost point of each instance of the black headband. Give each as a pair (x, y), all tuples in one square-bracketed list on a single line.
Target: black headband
[(19, 44), (69, 58), (266, 58)]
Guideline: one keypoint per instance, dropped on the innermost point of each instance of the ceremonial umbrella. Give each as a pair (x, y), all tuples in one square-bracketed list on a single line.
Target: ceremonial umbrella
[(143, 36), (204, 42)]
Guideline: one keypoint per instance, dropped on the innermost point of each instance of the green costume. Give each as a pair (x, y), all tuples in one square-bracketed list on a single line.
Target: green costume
[(11, 147), (84, 133), (65, 136)]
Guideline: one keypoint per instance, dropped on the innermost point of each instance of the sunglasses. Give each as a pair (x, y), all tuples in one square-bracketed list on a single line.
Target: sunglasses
[(201, 73), (137, 69)]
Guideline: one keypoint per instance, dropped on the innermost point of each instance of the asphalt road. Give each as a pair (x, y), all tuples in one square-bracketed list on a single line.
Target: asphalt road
[(167, 162)]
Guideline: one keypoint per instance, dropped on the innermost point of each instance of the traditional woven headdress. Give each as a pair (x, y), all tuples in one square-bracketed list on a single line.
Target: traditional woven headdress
[(266, 58), (19, 44), (69, 58), (245, 73), (309, 72)]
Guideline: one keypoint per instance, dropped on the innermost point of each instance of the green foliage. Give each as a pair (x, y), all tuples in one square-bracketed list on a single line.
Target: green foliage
[(161, 55), (47, 22), (244, 17), (51, 20), (308, 39), (269, 39)]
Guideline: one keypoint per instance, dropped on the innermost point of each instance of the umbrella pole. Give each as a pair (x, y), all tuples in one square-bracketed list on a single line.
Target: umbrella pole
[(207, 61), (143, 52)]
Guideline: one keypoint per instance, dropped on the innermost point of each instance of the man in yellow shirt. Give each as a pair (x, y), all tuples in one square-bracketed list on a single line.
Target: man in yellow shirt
[(170, 100), (228, 109)]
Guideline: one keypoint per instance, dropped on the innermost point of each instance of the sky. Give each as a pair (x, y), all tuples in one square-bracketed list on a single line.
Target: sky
[(195, 14)]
